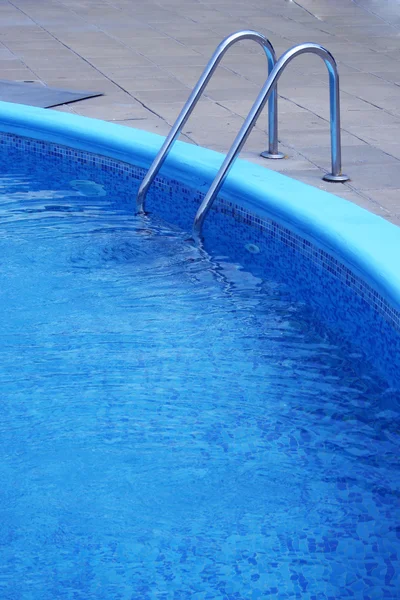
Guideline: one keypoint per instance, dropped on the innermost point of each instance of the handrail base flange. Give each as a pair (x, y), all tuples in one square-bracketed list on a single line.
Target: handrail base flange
[(272, 155), (336, 178)]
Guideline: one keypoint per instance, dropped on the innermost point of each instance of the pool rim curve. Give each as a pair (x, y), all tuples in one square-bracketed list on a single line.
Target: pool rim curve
[(365, 242)]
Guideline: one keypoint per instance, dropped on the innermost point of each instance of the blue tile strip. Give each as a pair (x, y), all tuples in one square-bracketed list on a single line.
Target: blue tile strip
[(317, 256), (342, 299), (276, 232)]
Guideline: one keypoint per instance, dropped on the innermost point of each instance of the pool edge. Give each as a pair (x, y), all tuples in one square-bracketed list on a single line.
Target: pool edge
[(361, 239)]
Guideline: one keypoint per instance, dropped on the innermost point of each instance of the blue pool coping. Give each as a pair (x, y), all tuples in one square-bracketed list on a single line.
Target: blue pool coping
[(368, 244)]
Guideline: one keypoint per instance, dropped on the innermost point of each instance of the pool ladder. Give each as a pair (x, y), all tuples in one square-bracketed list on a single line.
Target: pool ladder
[(267, 93)]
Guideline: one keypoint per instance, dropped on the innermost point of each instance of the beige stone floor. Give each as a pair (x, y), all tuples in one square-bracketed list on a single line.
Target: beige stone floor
[(146, 55)]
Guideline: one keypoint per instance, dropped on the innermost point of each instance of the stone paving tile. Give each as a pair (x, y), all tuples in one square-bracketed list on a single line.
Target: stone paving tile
[(156, 83), (392, 148), (375, 135), (11, 65), (150, 97), (81, 75), (140, 72), (315, 138), (390, 198), (118, 113), (361, 154), (354, 120), (145, 55), (366, 178), (205, 108), (23, 74), (192, 60), (81, 85), (242, 107)]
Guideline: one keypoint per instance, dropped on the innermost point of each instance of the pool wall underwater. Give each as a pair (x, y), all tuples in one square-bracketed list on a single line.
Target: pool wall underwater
[(337, 257)]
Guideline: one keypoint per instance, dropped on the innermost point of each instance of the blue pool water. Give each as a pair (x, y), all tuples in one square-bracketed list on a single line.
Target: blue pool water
[(173, 426)]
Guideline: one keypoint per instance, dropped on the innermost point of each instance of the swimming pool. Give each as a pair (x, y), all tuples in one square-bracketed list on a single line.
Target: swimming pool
[(183, 422)]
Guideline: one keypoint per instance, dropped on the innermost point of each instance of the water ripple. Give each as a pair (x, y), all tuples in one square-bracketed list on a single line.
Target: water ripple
[(173, 426)]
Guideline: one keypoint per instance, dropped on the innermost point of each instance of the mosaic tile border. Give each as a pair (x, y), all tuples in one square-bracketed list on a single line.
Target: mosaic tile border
[(317, 256), (268, 227)]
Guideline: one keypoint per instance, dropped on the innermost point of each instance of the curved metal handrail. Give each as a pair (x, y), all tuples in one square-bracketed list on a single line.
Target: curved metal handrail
[(194, 97), (254, 113)]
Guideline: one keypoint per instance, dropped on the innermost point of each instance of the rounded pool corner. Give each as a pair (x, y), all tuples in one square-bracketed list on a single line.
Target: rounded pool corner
[(338, 236), (165, 401)]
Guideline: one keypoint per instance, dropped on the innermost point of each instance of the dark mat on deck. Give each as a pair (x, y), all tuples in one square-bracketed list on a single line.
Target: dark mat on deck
[(36, 94)]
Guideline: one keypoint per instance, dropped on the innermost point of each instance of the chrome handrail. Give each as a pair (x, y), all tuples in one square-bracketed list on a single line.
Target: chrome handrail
[(254, 113), (194, 97)]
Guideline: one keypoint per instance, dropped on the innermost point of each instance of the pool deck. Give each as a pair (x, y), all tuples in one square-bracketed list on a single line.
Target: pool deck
[(146, 55)]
